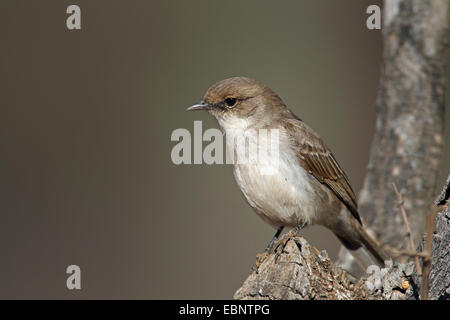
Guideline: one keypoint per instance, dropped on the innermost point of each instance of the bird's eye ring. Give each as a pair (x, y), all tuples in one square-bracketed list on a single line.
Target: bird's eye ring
[(230, 101)]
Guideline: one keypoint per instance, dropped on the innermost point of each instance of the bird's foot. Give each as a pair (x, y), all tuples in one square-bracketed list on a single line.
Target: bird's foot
[(276, 243)]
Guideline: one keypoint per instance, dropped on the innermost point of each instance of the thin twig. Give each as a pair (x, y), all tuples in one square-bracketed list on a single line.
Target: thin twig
[(428, 250), (394, 253), (408, 229)]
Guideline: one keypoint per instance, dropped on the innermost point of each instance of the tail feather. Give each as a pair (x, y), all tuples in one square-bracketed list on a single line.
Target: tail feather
[(374, 249), (365, 251)]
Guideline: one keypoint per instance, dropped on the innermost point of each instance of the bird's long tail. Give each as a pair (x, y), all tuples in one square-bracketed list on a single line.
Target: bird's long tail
[(366, 251), (374, 249)]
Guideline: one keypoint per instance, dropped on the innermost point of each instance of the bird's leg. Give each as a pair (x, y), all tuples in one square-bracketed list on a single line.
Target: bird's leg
[(262, 256), (275, 238), (301, 226), (294, 231)]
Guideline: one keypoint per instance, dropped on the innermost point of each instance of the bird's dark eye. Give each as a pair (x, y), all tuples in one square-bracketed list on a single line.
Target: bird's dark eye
[(230, 101)]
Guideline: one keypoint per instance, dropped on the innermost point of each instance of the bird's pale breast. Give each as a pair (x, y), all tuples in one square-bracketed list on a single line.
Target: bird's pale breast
[(277, 186)]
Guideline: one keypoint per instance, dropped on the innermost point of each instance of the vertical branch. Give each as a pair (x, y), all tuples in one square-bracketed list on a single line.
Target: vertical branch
[(412, 247), (408, 142)]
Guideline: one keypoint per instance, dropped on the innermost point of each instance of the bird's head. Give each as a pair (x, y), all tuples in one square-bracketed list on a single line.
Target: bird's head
[(240, 98)]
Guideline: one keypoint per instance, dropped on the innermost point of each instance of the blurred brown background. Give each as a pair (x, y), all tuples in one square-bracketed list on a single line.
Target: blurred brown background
[(85, 124)]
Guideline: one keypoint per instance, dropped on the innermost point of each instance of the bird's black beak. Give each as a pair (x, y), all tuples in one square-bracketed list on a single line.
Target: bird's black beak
[(201, 105)]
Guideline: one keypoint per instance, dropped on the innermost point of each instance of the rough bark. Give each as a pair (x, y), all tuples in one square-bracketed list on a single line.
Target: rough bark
[(439, 280), (406, 150), (299, 271)]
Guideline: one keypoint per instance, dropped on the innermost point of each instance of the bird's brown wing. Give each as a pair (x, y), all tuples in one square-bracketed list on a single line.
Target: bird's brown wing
[(318, 160)]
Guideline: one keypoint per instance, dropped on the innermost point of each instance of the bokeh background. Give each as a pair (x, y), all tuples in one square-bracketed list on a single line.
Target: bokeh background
[(86, 117)]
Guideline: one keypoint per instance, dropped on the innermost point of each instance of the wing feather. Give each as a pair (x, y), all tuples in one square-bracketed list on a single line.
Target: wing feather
[(320, 162)]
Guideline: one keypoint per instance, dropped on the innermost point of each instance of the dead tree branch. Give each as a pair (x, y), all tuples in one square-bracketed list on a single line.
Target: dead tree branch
[(296, 270), (408, 229)]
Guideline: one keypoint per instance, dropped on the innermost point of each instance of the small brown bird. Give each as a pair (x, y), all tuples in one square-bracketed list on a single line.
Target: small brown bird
[(307, 186)]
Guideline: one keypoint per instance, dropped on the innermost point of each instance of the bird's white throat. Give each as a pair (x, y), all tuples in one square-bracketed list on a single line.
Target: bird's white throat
[(246, 144)]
